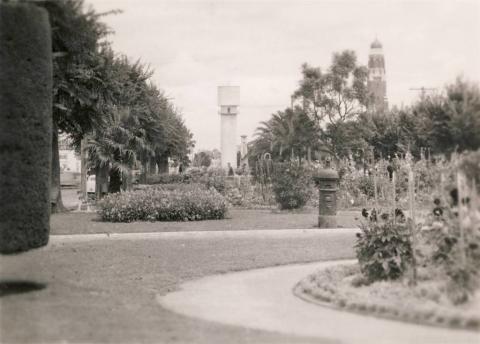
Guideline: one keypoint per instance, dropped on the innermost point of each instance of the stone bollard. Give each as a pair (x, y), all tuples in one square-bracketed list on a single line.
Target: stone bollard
[(25, 127), (326, 181)]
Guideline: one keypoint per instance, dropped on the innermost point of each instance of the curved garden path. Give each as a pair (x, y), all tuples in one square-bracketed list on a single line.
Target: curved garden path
[(263, 299)]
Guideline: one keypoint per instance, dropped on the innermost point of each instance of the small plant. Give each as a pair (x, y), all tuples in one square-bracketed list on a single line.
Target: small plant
[(291, 185), (383, 248)]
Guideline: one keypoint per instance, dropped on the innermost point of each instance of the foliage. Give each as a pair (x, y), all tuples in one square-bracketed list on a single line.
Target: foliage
[(455, 251), (337, 95), (286, 135), (142, 124), (77, 43), (383, 248), (211, 178), (189, 203), (78, 93), (202, 159), (451, 122), (105, 97), (291, 185), (165, 178)]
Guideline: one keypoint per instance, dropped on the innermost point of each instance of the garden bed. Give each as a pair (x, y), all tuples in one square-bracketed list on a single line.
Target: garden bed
[(168, 202), (341, 287)]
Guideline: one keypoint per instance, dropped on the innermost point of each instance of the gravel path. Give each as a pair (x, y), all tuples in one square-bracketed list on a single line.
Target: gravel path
[(263, 299)]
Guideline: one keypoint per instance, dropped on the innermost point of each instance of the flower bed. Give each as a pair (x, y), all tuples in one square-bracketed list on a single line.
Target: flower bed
[(344, 287), (164, 203)]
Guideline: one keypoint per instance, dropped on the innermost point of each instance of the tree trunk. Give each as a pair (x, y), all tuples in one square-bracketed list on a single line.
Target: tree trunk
[(127, 182), (55, 187), (153, 167), (83, 161), (143, 173), (101, 181), (162, 162), (115, 184)]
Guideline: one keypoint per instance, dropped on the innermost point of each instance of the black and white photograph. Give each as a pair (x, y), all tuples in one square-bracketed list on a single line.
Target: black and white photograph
[(240, 171)]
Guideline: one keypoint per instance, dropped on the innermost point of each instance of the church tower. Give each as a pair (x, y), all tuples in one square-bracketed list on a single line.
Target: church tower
[(377, 83)]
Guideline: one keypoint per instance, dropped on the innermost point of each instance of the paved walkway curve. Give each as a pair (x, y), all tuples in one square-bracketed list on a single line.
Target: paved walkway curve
[(263, 299)]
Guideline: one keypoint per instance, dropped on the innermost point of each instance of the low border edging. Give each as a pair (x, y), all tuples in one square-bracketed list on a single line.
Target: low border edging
[(416, 316)]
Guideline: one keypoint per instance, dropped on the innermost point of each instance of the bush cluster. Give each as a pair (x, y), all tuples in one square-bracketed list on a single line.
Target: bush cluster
[(164, 203), (383, 248), (168, 178), (209, 177), (291, 185)]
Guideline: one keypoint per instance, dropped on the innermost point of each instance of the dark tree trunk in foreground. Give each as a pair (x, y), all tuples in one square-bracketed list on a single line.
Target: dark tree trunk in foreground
[(25, 127)]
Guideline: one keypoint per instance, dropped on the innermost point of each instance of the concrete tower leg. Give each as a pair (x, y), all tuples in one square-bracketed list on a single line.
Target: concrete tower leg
[(228, 136)]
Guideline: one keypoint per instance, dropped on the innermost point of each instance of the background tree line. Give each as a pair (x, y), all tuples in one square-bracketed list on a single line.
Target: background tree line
[(330, 114)]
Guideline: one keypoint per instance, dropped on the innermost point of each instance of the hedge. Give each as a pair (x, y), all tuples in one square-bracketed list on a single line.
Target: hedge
[(164, 203)]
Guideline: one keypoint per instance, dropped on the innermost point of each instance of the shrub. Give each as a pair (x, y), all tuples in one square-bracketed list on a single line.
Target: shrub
[(164, 203), (383, 249), (365, 186), (210, 177), (291, 185), (169, 178)]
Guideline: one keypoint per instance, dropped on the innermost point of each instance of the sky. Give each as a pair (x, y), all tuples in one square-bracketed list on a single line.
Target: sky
[(260, 45)]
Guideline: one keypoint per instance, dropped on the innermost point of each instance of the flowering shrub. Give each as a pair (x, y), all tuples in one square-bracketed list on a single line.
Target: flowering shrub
[(383, 249), (164, 203), (291, 185)]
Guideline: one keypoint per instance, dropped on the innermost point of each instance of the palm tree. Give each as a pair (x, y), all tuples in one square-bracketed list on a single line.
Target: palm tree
[(286, 134)]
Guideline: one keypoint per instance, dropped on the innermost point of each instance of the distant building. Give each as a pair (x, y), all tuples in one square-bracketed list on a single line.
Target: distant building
[(70, 163), (377, 82), (69, 159)]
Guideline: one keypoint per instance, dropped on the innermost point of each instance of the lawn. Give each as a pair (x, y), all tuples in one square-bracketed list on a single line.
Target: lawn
[(104, 290), (238, 219)]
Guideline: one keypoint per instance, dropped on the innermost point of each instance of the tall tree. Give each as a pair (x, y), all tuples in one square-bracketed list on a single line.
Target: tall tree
[(451, 121), (336, 95), (286, 134), (78, 93)]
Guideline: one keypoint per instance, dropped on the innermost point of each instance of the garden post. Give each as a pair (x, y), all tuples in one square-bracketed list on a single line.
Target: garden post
[(394, 192), (461, 187), (411, 198), (25, 127), (326, 181)]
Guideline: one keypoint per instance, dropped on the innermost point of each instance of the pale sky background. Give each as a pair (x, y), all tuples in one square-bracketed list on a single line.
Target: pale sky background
[(194, 46)]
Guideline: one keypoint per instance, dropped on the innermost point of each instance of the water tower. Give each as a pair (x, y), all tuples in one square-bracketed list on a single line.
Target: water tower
[(228, 101)]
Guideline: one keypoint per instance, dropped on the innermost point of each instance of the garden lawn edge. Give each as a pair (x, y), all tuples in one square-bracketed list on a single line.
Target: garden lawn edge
[(414, 316)]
